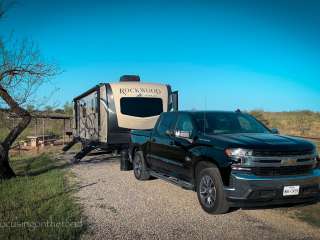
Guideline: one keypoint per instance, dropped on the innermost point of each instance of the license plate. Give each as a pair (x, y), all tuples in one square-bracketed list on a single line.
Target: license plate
[(291, 190)]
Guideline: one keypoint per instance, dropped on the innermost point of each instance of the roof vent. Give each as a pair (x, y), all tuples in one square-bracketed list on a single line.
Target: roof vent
[(130, 78)]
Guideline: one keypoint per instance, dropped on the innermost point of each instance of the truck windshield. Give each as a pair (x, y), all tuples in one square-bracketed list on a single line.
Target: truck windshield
[(141, 106), (228, 122)]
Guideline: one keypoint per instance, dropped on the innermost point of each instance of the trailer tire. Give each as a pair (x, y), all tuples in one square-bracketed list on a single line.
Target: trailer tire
[(140, 169), (125, 164), (210, 190)]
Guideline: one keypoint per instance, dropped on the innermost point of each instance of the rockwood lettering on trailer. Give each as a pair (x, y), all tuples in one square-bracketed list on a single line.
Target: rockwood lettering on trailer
[(125, 91)]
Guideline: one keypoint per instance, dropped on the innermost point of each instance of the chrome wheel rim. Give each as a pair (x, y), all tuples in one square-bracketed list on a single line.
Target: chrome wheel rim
[(208, 191), (137, 166)]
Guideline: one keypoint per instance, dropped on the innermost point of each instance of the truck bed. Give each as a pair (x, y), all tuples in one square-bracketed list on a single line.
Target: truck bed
[(145, 133), (140, 137)]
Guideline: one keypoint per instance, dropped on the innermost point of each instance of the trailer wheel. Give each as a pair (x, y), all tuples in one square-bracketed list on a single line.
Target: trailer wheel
[(210, 190), (139, 167), (125, 164)]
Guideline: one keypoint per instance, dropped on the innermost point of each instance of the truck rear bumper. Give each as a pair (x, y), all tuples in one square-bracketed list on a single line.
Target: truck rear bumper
[(248, 190)]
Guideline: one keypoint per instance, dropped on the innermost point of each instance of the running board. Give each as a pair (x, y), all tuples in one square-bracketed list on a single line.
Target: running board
[(176, 181)]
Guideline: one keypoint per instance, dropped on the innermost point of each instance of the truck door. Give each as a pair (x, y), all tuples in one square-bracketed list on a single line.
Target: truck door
[(180, 150), (160, 144)]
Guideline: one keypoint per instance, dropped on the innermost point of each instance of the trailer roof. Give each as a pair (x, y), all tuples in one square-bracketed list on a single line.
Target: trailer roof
[(91, 90)]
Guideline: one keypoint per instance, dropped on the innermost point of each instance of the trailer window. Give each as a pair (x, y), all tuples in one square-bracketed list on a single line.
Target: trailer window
[(84, 110), (141, 106)]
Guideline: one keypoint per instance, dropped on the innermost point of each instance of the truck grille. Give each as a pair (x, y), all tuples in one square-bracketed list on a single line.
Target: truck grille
[(278, 171), (267, 153)]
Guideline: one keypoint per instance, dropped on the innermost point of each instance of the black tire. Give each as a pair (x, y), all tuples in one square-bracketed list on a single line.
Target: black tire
[(210, 190), (125, 164), (140, 169)]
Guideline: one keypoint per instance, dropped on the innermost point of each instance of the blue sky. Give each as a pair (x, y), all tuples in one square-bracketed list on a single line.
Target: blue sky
[(235, 54)]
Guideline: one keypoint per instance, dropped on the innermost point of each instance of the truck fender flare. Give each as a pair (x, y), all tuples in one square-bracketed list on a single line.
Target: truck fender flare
[(224, 171), (205, 162), (134, 149)]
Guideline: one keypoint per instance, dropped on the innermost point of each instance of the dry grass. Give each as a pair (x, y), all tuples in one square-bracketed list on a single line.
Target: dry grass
[(302, 123), (298, 123)]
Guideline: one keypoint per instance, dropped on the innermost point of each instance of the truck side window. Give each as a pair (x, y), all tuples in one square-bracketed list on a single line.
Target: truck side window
[(166, 122), (184, 124)]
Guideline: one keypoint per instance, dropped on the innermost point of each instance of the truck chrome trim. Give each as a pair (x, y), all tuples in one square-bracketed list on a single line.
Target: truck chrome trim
[(278, 161), (250, 177), (166, 160)]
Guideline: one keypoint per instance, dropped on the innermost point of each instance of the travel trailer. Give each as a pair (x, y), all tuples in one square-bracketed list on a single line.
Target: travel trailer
[(105, 114)]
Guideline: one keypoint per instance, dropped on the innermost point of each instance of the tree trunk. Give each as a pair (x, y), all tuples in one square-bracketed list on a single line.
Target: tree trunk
[(6, 171)]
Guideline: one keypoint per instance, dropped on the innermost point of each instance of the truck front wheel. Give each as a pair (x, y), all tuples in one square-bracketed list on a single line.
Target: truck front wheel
[(139, 167), (210, 190)]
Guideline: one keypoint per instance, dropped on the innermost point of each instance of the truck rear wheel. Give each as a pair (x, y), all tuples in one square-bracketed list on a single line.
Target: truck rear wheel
[(139, 167), (210, 190)]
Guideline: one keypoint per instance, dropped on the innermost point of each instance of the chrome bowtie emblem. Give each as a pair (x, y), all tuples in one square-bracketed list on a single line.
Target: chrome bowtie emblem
[(288, 162)]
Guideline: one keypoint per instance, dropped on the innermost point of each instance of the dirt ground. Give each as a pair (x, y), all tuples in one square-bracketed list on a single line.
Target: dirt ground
[(117, 206)]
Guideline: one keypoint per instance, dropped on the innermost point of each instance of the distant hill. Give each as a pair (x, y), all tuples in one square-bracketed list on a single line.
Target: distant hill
[(301, 123)]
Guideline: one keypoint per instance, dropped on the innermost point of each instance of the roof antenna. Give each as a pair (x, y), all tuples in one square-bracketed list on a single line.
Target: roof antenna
[(204, 115)]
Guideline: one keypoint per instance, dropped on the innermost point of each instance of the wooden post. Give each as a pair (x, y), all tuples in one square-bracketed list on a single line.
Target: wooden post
[(36, 127), (43, 131), (19, 150), (64, 130)]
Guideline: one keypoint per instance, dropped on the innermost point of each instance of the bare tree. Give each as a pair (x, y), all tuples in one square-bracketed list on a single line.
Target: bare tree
[(22, 71)]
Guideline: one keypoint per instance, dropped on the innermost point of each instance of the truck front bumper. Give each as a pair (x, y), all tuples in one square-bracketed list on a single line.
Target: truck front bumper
[(248, 190)]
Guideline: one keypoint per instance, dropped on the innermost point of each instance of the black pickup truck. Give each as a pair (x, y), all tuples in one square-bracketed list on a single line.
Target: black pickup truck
[(229, 158)]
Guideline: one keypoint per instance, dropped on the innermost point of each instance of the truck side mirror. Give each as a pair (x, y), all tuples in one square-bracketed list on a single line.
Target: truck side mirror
[(183, 134), (275, 130), (170, 133)]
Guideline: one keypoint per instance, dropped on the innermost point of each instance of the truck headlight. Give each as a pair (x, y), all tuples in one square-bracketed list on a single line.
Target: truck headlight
[(240, 158), (238, 152)]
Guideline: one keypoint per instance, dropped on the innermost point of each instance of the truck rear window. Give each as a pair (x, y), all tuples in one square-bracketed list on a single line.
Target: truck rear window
[(141, 106)]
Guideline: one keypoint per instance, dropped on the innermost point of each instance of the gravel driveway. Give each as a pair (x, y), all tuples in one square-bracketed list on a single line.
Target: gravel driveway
[(117, 206)]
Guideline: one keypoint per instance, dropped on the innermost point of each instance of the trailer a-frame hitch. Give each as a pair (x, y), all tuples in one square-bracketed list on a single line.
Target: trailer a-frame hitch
[(86, 148)]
